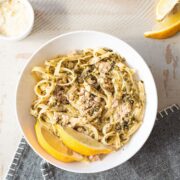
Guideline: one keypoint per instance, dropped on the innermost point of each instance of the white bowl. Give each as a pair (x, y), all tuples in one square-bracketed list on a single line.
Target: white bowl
[(27, 31), (66, 43)]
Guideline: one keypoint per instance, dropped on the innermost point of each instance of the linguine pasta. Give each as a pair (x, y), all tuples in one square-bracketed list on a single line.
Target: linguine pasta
[(92, 91)]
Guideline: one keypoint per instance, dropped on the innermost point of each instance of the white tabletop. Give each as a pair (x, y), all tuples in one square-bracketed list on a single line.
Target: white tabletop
[(127, 20)]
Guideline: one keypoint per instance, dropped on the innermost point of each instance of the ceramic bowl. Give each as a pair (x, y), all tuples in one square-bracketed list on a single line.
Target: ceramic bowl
[(29, 27), (67, 43)]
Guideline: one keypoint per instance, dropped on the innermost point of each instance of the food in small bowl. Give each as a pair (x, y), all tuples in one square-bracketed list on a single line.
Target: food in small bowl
[(16, 19), (70, 94), (90, 100)]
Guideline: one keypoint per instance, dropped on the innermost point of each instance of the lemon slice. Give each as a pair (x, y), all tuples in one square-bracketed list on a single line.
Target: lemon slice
[(81, 143), (54, 146), (166, 28), (164, 7)]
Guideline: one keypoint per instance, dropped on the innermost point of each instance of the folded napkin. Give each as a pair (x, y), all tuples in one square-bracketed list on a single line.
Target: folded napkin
[(158, 159)]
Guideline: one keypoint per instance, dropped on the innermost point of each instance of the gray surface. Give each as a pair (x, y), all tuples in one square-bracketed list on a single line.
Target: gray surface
[(159, 159)]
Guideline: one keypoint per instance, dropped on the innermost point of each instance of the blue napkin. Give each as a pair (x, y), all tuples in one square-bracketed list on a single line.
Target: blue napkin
[(158, 159)]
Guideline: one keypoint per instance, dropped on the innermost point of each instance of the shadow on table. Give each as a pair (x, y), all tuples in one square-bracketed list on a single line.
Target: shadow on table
[(48, 16)]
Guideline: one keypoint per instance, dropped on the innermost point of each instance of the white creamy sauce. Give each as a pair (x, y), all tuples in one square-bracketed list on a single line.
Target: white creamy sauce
[(13, 17)]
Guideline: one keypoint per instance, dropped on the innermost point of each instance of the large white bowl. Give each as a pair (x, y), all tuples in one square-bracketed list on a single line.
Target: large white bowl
[(67, 43)]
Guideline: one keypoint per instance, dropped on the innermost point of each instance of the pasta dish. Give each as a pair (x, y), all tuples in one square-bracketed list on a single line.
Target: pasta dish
[(94, 92)]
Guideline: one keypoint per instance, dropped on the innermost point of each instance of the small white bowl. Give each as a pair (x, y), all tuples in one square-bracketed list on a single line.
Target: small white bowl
[(27, 31), (67, 43)]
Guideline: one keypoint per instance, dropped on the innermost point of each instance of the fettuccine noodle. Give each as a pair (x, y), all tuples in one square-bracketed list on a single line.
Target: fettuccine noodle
[(92, 91)]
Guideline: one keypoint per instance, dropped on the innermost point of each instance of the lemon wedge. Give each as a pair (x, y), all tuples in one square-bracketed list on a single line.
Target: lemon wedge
[(81, 143), (54, 146), (166, 28), (164, 7)]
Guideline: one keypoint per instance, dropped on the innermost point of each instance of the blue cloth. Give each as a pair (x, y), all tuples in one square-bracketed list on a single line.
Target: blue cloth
[(158, 159)]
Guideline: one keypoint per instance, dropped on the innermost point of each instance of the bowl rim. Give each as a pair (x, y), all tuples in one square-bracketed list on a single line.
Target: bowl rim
[(27, 31), (100, 33)]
